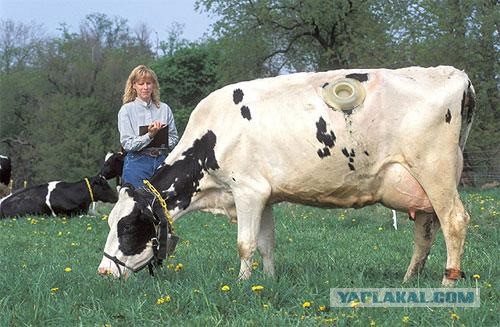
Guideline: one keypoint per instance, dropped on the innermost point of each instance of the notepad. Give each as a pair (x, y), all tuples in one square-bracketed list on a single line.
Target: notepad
[(160, 140)]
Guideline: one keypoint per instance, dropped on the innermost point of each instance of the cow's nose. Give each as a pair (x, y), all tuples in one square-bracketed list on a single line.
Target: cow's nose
[(103, 271)]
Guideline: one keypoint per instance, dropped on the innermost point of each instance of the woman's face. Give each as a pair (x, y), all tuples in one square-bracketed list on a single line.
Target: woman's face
[(143, 88)]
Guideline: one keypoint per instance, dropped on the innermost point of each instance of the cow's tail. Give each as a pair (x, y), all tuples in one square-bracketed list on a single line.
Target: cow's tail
[(468, 112)]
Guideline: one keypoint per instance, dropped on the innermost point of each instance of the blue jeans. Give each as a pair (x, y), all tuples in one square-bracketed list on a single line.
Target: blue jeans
[(138, 167)]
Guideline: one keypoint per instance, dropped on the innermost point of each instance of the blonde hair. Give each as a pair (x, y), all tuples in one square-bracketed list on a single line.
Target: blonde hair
[(138, 73)]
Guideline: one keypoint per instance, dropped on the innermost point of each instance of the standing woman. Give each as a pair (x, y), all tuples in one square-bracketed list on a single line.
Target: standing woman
[(146, 125)]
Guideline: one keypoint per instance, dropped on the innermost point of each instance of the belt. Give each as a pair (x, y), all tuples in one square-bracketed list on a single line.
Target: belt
[(153, 152)]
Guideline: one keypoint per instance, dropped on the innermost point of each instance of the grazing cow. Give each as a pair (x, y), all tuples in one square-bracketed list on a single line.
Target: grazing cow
[(5, 170), (56, 198), (252, 144), (113, 166)]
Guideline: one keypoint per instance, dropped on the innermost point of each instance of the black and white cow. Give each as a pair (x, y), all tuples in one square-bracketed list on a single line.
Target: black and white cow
[(5, 170), (343, 138), (113, 166), (57, 198)]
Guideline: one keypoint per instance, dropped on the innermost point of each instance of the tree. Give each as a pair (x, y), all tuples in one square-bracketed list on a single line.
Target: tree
[(263, 37), (186, 77)]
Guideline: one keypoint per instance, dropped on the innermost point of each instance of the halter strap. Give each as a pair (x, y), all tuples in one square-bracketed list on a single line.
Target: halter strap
[(162, 203), (90, 189)]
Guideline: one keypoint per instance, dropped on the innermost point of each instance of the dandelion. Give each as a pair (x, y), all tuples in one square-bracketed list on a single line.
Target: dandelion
[(89, 227), (306, 304), (454, 316), (372, 323), (257, 288), (322, 308), (67, 269), (179, 267), (476, 276), (255, 265), (104, 217), (60, 234), (381, 228), (406, 319), (164, 299), (225, 288), (170, 266), (54, 290), (265, 306), (354, 304)]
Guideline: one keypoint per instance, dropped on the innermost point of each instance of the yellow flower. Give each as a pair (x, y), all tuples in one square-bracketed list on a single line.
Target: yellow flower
[(104, 217), (179, 267), (67, 269), (380, 228), (54, 290), (372, 323), (255, 265), (89, 227), (454, 316), (164, 299), (355, 304), (225, 288), (59, 234), (265, 306), (322, 308), (406, 319), (170, 266), (476, 276), (306, 304), (257, 288)]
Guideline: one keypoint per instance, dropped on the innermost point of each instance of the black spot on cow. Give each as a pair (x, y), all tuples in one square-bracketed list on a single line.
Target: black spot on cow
[(350, 156), (358, 76), (447, 117), (184, 175), (325, 85), (325, 137), (324, 152), (136, 229), (245, 112), (237, 96), (366, 153), (468, 97)]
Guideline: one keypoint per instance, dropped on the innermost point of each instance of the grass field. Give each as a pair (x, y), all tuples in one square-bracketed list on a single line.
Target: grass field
[(48, 272)]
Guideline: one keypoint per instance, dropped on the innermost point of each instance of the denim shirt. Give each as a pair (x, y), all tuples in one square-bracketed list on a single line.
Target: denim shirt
[(139, 113)]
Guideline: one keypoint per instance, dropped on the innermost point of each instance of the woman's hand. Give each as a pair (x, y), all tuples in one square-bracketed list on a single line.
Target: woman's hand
[(154, 127)]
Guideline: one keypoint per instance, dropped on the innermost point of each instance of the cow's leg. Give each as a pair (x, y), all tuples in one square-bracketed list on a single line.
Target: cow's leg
[(249, 208), (454, 226), (426, 226), (266, 240)]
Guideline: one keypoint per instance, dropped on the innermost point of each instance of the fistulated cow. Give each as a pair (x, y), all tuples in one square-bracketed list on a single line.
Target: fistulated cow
[(252, 144), (57, 198)]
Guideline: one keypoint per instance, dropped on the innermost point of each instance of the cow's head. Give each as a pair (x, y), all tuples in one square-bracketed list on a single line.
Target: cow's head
[(101, 190), (139, 235), (113, 165)]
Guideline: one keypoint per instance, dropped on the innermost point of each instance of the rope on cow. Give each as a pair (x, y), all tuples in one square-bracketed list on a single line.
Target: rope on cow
[(90, 189), (162, 203)]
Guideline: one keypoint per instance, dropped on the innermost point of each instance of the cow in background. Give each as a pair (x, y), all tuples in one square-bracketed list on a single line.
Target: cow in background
[(5, 174), (58, 198), (252, 144), (113, 166)]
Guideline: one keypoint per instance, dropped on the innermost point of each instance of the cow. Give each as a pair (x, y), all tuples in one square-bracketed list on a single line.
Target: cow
[(252, 144), (58, 198), (5, 170), (5, 173), (113, 166)]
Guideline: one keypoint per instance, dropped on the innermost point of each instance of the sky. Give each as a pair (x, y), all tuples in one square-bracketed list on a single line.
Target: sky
[(159, 15)]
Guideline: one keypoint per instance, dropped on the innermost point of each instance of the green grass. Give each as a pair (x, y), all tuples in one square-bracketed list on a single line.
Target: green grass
[(316, 249)]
